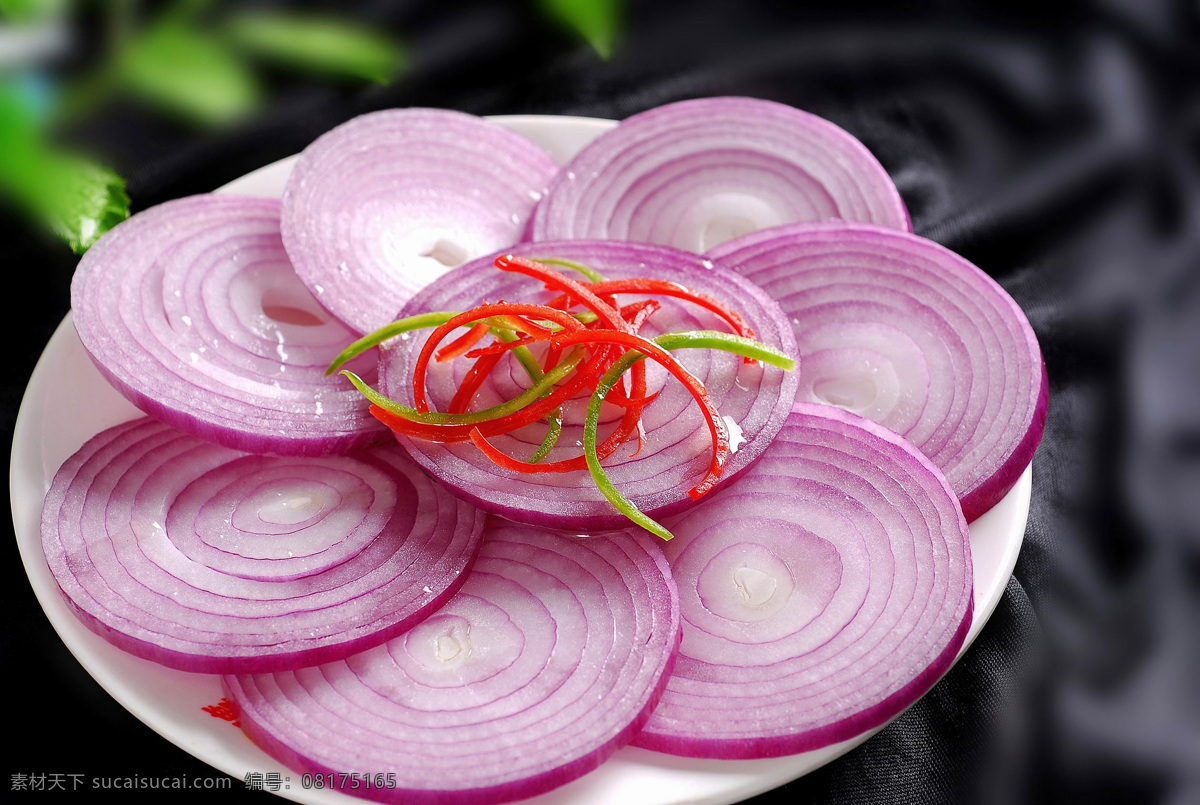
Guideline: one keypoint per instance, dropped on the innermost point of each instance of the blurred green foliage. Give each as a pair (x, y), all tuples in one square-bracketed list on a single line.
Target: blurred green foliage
[(317, 44), (189, 61), (597, 21), (197, 62), (24, 11), (75, 198), (189, 72)]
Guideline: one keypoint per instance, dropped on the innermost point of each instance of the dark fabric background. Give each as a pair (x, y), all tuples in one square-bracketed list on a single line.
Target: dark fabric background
[(1056, 145)]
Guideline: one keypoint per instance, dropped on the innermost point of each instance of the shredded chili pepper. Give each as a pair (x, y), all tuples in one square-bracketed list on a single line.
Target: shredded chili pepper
[(604, 345), (472, 382), (716, 425), (482, 312), (625, 401), (592, 274), (700, 339), (460, 345), (559, 282), (634, 315), (436, 427), (630, 423), (424, 321), (405, 325), (655, 287)]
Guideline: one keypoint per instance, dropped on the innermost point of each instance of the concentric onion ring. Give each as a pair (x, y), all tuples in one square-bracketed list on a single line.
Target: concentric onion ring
[(192, 311), (906, 333), (378, 207), (697, 173), (752, 398), (551, 657), (822, 593), (206, 559)]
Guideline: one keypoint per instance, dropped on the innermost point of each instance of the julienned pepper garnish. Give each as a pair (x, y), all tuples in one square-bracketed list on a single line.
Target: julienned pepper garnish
[(471, 316), (601, 343), (696, 339), (653, 287)]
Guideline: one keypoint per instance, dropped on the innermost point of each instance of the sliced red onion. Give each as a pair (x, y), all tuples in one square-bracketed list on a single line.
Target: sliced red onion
[(381, 205), (207, 559), (192, 310), (822, 592), (550, 658), (906, 333), (753, 399), (697, 173)]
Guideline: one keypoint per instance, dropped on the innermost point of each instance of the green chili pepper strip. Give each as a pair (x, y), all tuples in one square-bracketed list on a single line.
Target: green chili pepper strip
[(388, 331), (535, 392), (551, 438), (696, 339), (591, 274), (423, 321)]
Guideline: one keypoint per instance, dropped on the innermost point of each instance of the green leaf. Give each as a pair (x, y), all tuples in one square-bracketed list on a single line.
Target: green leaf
[(82, 199), (597, 21), (68, 194), (318, 44), (188, 72), (25, 11)]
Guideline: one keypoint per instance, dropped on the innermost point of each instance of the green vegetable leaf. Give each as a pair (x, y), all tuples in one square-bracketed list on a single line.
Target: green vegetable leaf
[(81, 200), (188, 72), (318, 44), (74, 197), (597, 21), (24, 11)]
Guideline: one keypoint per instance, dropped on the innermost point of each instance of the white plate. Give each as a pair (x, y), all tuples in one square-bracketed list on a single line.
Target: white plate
[(67, 401)]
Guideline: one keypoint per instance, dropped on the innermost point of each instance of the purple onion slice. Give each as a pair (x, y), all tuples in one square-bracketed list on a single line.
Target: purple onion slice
[(192, 310), (550, 658), (206, 559), (822, 593), (906, 333), (753, 399), (381, 205), (697, 173)]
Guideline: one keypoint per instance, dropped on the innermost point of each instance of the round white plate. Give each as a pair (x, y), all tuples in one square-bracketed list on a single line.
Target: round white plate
[(67, 402)]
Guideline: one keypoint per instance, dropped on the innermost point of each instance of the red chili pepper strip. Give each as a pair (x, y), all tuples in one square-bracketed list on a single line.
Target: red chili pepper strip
[(553, 356), (646, 285), (460, 345), (478, 373), (634, 315), (716, 425), (628, 402), (629, 425), (420, 400), (525, 325), (500, 347), (472, 382), (563, 284), (637, 313)]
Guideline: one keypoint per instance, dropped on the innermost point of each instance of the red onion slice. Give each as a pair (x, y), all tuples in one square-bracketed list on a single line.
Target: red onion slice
[(906, 333), (550, 658), (754, 399), (697, 173), (822, 593), (207, 559), (378, 207), (192, 310)]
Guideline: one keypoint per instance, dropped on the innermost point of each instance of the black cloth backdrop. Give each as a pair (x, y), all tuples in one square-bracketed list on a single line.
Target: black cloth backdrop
[(1055, 145)]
